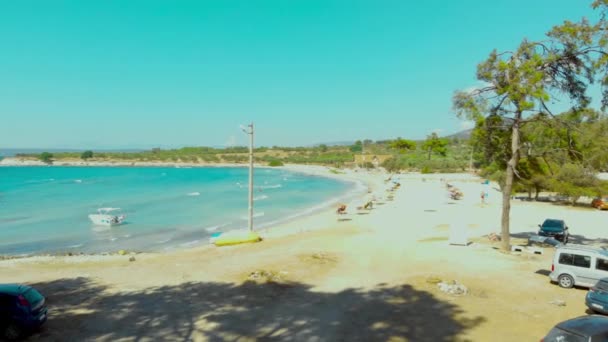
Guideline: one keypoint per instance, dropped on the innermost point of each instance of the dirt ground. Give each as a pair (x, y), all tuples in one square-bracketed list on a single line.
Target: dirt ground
[(370, 276)]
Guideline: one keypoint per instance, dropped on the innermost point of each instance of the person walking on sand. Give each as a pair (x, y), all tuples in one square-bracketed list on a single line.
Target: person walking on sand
[(483, 197)]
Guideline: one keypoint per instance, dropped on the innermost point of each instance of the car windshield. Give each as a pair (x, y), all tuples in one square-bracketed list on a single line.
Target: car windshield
[(602, 285), (564, 336), (552, 225), (33, 296)]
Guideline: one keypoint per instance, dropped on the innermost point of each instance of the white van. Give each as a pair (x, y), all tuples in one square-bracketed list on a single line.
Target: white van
[(579, 265)]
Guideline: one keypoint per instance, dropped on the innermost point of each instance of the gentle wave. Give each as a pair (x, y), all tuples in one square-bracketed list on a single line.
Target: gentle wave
[(190, 243), (214, 228), (14, 219), (358, 190), (154, 203), (275, 186), (37, 181), (254, 215)]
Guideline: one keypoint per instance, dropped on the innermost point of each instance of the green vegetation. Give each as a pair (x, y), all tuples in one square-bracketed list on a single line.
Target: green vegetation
[(455, 158), (368, 165), (357, 147), (435, 144), (402, 145), (518, 93), (86, 155), (46, 157), (404, 155)]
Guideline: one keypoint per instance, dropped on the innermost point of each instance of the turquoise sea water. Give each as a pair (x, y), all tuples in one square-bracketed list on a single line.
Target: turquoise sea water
[(44, 209)]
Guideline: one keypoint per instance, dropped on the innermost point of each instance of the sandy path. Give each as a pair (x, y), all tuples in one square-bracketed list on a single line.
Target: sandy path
[(363, 279)]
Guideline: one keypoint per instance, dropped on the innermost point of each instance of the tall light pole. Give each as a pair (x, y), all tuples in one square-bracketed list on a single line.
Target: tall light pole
[(249, 130)]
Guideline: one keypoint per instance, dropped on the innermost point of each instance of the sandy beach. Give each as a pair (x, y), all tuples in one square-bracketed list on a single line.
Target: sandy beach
[(364, 276)]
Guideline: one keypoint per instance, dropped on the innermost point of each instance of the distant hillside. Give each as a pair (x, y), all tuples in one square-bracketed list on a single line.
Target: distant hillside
[(336, 143), (466, 134), (462, 135), (11, 152)]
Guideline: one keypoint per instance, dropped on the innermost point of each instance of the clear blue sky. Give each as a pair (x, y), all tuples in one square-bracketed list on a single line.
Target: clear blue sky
[(117, 74)]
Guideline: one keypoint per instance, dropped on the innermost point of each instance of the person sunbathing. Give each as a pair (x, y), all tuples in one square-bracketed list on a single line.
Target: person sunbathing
[(341, 209)]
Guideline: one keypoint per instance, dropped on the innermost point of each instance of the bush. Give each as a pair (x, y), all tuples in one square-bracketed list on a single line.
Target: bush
[(86, 155), (368, 165), (46, 157), (391, 165), (275, 162), (425, 169)]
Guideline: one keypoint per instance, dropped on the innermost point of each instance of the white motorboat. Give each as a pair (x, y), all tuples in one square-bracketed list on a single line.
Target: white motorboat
[(105, 218)]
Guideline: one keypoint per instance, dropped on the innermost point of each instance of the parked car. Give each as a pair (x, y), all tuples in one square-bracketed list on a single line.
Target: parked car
[(22, 310), (597, 297), (556, 229), (579, 265), (600, 203), (592, 328)]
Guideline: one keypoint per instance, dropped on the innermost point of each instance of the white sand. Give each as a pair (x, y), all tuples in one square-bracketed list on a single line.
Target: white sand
[(359, 278)]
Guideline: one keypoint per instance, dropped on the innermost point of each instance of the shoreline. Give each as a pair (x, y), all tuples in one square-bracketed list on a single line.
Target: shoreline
[(15, 161), (358, 187), (383, 263)]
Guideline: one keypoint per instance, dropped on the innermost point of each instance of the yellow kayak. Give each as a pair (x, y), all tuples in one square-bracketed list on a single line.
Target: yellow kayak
[(235, 238)]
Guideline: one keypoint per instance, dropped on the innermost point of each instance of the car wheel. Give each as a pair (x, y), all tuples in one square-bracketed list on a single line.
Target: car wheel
[(565, 281), (12, 331)]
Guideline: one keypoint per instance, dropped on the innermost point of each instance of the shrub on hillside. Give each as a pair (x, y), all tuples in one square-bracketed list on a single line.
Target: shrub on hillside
[(46, 157)]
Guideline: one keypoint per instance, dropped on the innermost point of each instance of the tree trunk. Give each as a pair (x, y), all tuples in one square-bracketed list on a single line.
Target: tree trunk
[(429, 153), (548, 165), (506, 191), (574, 200)]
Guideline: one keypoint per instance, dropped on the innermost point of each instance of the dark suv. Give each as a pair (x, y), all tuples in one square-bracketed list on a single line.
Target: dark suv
[(592, 328), (556, 229), (22, 310)]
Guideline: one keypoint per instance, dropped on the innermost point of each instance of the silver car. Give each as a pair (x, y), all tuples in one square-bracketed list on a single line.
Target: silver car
[(579, 265)]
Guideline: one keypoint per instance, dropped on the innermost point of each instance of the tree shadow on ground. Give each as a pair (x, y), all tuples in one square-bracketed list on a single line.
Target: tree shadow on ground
[(82, 310), (581, 240), (572, 239)]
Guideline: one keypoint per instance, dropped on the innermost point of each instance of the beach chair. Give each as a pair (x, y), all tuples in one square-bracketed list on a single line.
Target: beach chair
[(456, 194), (342, 214)]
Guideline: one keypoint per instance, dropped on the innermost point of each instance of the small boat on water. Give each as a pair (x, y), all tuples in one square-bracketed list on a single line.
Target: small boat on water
[(105, 218)]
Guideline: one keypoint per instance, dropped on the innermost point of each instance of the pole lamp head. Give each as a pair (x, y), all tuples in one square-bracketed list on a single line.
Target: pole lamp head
[(247, 129)]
